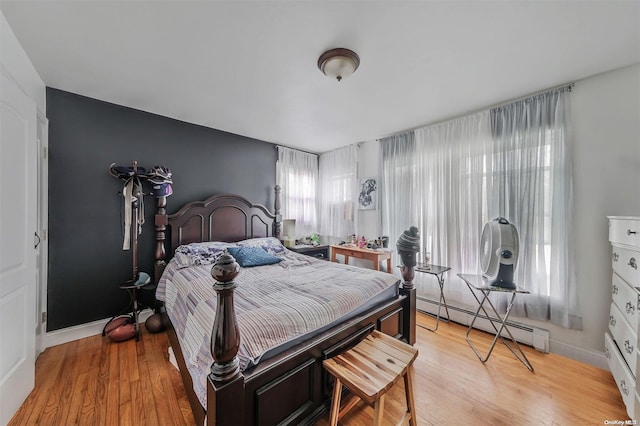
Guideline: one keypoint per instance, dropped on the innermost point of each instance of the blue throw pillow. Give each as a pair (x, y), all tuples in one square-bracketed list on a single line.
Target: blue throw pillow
[(252, 256)]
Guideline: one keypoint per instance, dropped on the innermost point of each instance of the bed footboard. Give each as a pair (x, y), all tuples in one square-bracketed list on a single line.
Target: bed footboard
[(293, 388)]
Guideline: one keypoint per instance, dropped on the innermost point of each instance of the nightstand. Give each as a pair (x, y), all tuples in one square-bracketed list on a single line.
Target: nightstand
[(320, 252)]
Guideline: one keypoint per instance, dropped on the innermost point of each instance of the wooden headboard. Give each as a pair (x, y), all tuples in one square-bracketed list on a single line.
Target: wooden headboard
[(223, 217)]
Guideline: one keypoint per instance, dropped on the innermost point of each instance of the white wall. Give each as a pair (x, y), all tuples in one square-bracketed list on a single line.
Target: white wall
[(606, 168), (16, 61)]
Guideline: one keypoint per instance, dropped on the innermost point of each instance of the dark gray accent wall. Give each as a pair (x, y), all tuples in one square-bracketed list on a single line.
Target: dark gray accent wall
[(86, 260)]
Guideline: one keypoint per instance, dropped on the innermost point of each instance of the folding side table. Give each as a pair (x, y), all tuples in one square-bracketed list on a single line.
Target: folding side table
[(438, 272), (480, 284)]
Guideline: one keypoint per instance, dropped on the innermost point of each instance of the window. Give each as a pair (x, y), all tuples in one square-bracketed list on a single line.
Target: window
[(512, 161), (297, 175), (338, 192)]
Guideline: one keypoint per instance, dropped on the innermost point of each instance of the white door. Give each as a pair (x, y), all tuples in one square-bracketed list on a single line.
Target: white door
[(18, 193)]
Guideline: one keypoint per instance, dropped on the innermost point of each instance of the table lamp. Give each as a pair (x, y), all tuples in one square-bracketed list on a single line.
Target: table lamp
[(289, 232)]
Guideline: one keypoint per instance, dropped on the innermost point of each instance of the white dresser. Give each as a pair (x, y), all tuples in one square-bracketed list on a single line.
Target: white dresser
[(621, 341)]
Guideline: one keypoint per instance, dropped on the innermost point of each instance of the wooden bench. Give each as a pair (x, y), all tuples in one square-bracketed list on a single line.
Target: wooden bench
[(369, 370)]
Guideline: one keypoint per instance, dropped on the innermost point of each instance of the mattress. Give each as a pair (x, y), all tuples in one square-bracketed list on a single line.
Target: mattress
[(276, 306)]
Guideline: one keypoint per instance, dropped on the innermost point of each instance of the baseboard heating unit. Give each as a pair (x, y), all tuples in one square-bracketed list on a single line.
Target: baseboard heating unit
[(538, 338)]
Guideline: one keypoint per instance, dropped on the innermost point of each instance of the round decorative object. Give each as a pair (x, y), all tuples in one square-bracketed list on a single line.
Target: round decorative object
[(116, 322), (338, 63), (122, 333), (498, 245), (408, 245), (225, 269), (154, 324), (120, 329), (409, 240)]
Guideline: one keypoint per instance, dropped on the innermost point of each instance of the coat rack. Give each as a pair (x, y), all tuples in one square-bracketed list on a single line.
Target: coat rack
[(133, 194)]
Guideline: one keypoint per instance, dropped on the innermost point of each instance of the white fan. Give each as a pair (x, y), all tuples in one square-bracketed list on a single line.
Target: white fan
[(499, 252)]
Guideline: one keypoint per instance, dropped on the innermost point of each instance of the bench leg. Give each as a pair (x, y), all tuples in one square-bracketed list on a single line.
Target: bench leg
[(408, 390), (335, 402), (379, 411)]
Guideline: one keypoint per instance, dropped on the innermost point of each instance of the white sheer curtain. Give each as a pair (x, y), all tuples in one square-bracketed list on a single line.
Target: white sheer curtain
[(399, 188), (338, 192), (532, 185), (513, 161), (297, 175), (452, 168)]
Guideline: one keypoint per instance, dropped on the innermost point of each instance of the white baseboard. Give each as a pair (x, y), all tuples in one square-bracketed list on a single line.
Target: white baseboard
[(588, 356), (523, 333), (69, 334), (539, 338)]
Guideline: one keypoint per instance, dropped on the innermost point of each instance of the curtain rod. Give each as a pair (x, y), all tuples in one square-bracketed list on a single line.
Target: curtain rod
[(357, 144), (296, 149), (498, 105)]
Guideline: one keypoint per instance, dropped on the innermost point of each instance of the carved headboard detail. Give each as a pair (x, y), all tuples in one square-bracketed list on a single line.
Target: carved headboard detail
[(223, 217)]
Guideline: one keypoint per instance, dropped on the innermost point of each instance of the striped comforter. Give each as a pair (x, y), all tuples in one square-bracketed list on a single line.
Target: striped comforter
[(274, 304)]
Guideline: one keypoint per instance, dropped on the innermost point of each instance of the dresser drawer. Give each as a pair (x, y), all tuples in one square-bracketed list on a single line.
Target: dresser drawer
[(355, 254), (624, 231), (624, 336), (627, 299), (625, 263), (621, 374)]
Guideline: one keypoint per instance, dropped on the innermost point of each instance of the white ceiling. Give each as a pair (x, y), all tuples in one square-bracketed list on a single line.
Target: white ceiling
[(251, 67)]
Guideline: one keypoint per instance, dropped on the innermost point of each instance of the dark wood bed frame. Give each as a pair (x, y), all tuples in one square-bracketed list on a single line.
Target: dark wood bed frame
[(291, 387)]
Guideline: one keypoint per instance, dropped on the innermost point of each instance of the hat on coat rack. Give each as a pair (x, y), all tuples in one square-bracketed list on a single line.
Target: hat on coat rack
[(161, 179)]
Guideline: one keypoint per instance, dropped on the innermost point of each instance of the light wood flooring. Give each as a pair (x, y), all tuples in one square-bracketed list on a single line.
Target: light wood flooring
[(95, 382)]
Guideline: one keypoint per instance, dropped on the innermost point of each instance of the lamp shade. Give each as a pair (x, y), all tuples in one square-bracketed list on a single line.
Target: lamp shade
[(338, 63), (289, 227)]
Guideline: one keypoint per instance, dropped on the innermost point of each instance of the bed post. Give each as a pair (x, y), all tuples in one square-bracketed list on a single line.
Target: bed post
[(226, 383), (409, 307), (408, 246), (161, 227), (276, 211)]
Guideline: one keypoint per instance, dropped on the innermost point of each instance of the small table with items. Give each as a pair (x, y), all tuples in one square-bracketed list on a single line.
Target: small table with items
[(320, 251), (480, 284), (376, 256), (438, 272)]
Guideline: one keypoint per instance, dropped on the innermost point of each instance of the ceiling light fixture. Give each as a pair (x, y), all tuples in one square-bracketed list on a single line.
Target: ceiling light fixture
[(338, 63)]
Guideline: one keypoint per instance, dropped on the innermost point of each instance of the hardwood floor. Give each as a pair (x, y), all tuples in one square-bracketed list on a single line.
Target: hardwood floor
[(95, 382)]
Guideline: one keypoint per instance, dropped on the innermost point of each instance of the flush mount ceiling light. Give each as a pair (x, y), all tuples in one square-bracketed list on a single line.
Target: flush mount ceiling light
[(338, 63)]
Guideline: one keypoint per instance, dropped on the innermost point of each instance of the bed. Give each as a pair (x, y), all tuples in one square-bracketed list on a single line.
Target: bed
[(283, 383)]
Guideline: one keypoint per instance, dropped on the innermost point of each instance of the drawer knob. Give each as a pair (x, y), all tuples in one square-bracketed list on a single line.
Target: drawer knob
[(623, 386), (628, 347), (633, 263), (614, 289), (630, 232), (630, 308), (607, 353), (612, 321), (615, 256)]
